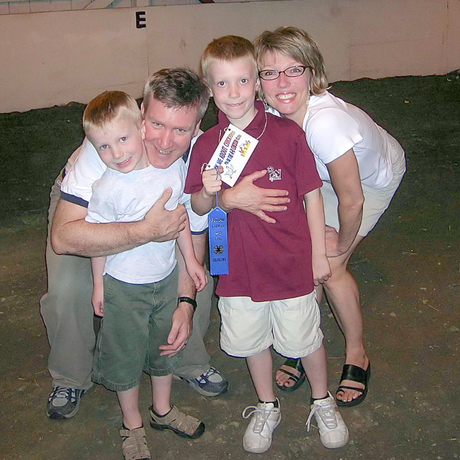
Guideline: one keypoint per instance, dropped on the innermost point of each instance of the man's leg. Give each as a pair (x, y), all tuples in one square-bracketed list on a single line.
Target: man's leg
[(68, 316), (195, 363)]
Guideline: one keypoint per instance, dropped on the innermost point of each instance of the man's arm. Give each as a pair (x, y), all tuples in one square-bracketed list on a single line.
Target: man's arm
[(248, 197), (71, 234), (182, 324)]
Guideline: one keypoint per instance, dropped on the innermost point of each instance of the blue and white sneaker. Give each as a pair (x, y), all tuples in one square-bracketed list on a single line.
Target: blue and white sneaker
[(63, 403), (211, 383)]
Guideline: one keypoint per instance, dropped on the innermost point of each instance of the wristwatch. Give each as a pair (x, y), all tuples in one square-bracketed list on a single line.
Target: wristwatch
[(189, 300)]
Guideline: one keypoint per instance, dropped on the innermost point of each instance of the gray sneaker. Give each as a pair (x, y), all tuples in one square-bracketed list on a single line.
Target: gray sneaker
[(63, 403), (210, 383)]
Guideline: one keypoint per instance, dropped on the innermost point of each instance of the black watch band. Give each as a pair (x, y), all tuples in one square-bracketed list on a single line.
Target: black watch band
[(189, 300)]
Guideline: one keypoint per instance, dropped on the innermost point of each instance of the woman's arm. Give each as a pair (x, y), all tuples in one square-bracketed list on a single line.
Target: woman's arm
[(345, 178)]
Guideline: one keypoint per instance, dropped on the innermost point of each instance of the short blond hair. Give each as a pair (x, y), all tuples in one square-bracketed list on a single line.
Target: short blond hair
[(228, 48), (297, 44), (108, 107)]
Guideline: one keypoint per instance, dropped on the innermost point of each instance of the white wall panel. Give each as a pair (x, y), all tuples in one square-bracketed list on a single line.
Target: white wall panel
[(54, 58)]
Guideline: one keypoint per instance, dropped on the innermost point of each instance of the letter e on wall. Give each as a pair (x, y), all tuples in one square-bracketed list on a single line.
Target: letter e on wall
[(141, 20)]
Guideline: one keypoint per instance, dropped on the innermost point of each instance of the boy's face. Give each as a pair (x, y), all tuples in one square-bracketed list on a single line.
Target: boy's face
[(168, 132), (234, 84), (120, 145), (288, 95)]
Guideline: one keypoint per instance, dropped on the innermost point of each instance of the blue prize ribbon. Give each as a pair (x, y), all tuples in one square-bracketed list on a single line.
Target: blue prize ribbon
[(218, 239)]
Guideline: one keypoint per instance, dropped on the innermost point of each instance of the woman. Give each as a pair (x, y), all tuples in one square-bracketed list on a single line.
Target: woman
[(361, 166)]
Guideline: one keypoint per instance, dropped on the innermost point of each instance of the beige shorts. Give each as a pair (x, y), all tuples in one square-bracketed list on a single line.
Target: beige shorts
[(376, 200), (292, 326)]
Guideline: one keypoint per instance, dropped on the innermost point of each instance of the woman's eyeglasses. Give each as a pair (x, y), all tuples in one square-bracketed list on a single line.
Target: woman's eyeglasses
[(294, 71)]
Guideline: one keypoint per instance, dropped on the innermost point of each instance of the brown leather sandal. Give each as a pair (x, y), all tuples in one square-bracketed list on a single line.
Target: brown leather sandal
[(134, 444), (182, 424)]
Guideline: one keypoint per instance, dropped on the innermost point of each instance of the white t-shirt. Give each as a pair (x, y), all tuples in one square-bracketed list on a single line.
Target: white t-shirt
[(119, 197), (332, 127), (87, 167)]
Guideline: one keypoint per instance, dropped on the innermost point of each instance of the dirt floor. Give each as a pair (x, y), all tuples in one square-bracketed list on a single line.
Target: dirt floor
[(407, 269)]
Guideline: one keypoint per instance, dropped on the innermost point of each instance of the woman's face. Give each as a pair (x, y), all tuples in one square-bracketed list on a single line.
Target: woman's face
[(288, 95)]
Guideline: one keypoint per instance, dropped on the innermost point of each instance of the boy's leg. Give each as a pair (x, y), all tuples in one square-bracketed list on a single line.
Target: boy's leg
[(247, 332), (261, 370), (332, 429), (134, 443), (315, 366), (68, 317), (129, 404), (161, 393)]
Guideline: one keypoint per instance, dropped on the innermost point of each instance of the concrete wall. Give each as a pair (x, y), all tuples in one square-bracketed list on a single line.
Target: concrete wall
[(57, 57)]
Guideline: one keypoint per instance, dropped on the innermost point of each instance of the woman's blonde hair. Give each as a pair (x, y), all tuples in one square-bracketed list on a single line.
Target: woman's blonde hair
[(296, 43)]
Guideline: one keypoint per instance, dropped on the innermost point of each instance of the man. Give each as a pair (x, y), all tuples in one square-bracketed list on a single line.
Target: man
[(174, 103)]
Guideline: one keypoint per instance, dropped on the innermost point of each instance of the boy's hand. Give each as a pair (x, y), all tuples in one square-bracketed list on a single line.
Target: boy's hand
[(181, 330), (212, 182), (198, 274), (97, 299), (321, 270)]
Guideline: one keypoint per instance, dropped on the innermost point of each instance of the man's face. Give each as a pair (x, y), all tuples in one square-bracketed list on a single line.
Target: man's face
[(168, 132)]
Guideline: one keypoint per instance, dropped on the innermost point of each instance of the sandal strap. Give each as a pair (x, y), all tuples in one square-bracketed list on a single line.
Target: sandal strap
[(291, 375), (295, 364), (346, 387), (134, 444), (355, 373)]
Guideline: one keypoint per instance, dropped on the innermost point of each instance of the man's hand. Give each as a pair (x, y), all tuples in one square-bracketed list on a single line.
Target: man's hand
[(165, 225), (181, 330), (248, 197)]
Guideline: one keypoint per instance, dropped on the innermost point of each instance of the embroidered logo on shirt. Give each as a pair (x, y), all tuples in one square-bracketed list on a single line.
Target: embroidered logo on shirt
[(273, 174)]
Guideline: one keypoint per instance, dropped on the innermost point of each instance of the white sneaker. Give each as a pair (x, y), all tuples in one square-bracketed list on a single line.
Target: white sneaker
[(265, 418), (332, 429)]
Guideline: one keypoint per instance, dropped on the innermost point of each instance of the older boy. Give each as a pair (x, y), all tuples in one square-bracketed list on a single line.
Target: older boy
[(268, 298)]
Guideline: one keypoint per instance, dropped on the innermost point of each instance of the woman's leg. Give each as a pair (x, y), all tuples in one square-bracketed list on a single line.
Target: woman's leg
[(343, 296)]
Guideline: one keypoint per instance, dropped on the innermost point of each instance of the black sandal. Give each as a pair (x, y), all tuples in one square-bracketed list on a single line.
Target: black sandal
[(356, 374), (298, 380)]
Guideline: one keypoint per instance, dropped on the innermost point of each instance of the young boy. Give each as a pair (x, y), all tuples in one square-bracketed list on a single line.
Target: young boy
[(136, 290), (268, 298)]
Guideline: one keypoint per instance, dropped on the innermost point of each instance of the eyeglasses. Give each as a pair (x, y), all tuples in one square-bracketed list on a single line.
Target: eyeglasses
[(294, 71)]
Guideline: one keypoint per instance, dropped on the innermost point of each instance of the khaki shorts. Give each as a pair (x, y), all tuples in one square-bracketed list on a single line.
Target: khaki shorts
[(292, 326), (376, 200)]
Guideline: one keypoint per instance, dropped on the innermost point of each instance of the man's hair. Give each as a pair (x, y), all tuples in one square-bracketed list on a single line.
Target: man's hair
[(228, 48), (177, 89), (108, 107), (298, 45)]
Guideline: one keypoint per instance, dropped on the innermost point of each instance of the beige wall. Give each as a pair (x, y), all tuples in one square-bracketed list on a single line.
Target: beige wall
[(54, 58)]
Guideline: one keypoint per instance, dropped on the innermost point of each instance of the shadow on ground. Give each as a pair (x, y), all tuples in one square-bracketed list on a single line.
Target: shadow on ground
[(407, 269)]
